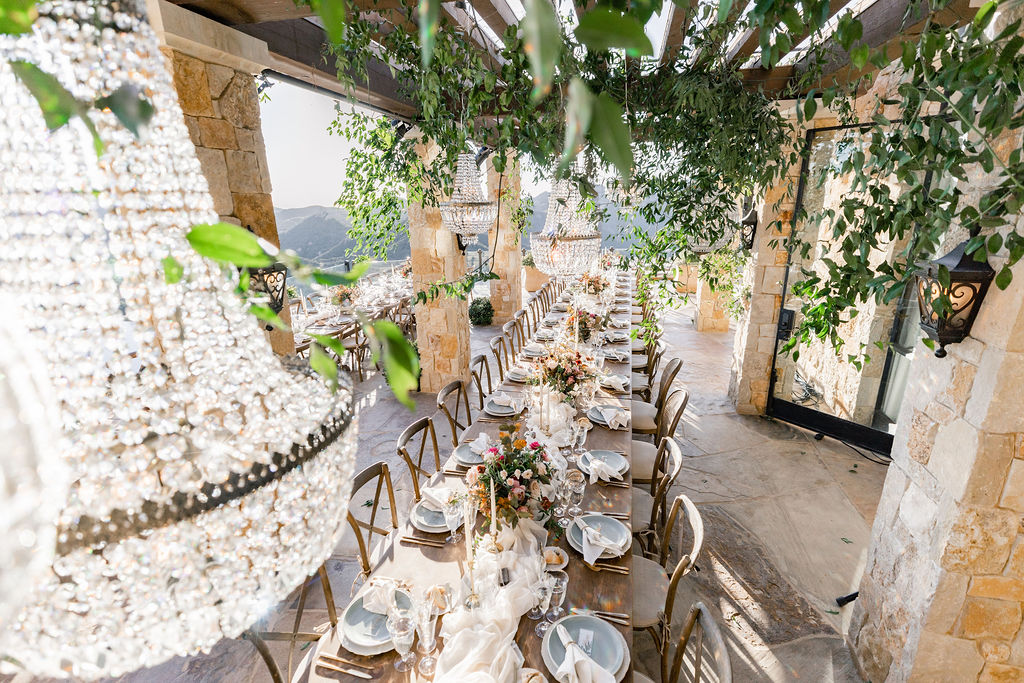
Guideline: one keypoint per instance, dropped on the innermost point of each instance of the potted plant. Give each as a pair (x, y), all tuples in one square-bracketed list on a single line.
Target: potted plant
[(481, 312), (534, 279)]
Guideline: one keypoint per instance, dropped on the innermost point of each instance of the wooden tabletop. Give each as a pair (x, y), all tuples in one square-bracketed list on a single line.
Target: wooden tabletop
[(423, 566)]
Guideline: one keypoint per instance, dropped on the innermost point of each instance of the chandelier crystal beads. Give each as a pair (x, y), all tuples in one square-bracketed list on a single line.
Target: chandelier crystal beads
[(207, 479), (569, 244), (468, 213)]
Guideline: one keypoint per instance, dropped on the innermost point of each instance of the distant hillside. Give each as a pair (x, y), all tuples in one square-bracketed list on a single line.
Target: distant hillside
[(319, 234)]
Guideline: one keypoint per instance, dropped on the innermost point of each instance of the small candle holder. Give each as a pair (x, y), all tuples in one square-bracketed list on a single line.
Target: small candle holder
[(472, 600)]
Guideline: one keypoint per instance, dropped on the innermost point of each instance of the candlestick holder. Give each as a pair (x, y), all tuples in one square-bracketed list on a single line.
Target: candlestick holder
[(472, 600)]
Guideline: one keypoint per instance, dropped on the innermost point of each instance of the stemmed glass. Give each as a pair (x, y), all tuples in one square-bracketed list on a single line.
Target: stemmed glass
[(574, 435), (564, 491), (580, 439), (453, 517), (559, 585), (402, 628), (426, 625), (577, 486), (542, 591)]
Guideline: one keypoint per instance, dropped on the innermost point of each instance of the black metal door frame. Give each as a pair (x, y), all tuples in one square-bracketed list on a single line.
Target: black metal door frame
[(844, 430)]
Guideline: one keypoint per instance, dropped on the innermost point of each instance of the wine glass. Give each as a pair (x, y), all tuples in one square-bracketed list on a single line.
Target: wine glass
[(570, 456), (581, 438), (563, 492), (403, 632), (426, 626), (559, 585), (577, 487), (542, 591), (453, 516)]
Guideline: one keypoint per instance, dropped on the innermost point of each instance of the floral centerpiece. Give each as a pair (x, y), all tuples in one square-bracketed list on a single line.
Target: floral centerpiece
[(342, 294), (565, 370), (405, 270), (593, 284), (585, 323), (520, 474), (609, 259)]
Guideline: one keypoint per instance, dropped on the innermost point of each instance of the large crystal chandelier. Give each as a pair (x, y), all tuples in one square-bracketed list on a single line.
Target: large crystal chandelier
[(570, 244), (468, 213), (207, 479)]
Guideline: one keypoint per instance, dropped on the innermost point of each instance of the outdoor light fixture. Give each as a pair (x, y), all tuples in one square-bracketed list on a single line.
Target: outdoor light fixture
[(269, 282), (569, 245), (748, 223), (468, 213), (965, 289)]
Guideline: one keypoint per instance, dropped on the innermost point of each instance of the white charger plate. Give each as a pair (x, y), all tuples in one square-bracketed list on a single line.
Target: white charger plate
[(608, 526), (364, 632), (493, 409), (595, 416), (424, 519), (609, 650), (610, 458), (466, 456)]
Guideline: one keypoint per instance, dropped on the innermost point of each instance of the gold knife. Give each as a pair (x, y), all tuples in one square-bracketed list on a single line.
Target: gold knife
[(351, 672)]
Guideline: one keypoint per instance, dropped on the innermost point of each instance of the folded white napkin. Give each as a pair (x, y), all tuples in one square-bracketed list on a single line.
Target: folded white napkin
[(480, 444), (616, 382), (435, 497), (599, 469), (578, 667), (534, 348), (528, 675), (595, 543), (615, 417), (620, 324), (617, 355), (502, 399), (377, 594)]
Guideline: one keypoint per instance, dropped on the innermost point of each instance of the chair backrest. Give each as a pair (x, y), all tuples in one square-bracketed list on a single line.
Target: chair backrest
[(681, 505), (671, 413), (668, 461), (535, 315), (369, 527), (457, 411), (500, 350), (699, 625), (512, 338), (480, 369), (522, 325), (423, 429), (654, 359), (665, 383)]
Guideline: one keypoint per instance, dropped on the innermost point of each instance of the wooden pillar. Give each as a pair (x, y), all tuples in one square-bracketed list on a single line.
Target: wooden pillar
[(506, 293), (442, 325)]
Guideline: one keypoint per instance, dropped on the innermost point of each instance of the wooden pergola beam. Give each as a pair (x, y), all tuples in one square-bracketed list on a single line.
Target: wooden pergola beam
[(678, 26)]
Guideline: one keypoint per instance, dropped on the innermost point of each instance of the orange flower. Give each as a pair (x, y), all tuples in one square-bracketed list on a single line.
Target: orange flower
[(519, 443)]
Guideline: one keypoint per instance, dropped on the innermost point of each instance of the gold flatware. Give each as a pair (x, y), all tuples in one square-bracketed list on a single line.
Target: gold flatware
[(423, 541), (615, 619), (609, 565), (456, 473), (351, 672), (339, 660), (613, 515), (607, 568), (614, 484)]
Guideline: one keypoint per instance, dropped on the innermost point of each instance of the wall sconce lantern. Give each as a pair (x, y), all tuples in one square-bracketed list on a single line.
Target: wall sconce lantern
[(748, 223), (269, 282), (968, 282)]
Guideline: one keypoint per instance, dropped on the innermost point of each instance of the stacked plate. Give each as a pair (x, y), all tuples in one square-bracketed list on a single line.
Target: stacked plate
[(595, 416), (617, 355), (518, 375), (495, 410), (560, 307), (533, 351), (606, 383), (620, 324), (610, 458), (427, 520), (546, 334), (607, 647), (610, 528), (366, 633), (621, 309), (465, 455), (616, 337)]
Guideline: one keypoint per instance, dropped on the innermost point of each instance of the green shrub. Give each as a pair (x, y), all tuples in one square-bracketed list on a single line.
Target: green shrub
[(528, 260), (481, 312)]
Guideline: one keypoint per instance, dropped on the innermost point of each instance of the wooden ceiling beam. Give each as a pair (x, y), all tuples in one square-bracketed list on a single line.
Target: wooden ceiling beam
[(498, 15), (677, 27)]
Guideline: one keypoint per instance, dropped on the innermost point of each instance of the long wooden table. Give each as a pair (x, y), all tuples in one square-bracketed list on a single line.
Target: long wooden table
[(423, 566)]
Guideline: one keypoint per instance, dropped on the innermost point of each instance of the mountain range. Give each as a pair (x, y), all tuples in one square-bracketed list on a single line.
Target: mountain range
[(319, 234)]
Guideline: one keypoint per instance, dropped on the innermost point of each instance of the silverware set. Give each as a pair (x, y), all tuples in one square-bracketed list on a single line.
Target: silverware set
[(614, 484), (613, 515), (416, 540), (345, 666), (614, 617), (608, 567)]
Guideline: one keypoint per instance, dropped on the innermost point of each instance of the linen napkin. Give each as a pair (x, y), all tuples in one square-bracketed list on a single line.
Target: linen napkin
[(377, 594), (480, 444), (595, 543), (534, 348), (615, 417), (617, 355), (435, 497), (600, 470), (578, 667), (616, 382)]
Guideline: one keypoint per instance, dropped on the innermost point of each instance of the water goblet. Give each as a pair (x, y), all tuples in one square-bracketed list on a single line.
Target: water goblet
[(542, 591), (559, 586), (403, 632), (570, 456), (564, 491), (577, 487), (426, 626), (453, 517)]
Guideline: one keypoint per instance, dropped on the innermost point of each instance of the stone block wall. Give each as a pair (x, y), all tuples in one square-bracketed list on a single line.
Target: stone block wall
[(506, 292), (222, 112), (712, 315)]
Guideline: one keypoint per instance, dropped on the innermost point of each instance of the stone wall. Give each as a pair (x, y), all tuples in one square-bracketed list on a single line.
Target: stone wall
[(506, 292), (442, 325), (712, 314)]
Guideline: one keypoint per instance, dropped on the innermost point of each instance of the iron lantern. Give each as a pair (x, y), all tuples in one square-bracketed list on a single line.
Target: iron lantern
[(948, 310), (269, 282), (748, 223)]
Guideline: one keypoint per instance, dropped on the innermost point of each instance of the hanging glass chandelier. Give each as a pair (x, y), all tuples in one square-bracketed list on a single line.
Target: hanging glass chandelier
[(207, 478), (569, 245), (468, 213)]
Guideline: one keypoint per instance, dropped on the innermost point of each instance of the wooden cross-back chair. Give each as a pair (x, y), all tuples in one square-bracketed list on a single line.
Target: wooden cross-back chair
[(458, 414), (535, 315), (700, 624), (642, 380), (366, 530), (512, 336), (423, 429), (499, 347), (649, 506), (406, 318), (647, 416), (522, 324), (480, 370)]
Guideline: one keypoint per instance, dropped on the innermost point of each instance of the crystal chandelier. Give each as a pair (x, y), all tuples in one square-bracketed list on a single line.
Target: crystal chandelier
[(468, 213), (569, 245), (207, 479)]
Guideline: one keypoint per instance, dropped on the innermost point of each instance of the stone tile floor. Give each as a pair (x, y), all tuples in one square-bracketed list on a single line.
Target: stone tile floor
[(787, 522)]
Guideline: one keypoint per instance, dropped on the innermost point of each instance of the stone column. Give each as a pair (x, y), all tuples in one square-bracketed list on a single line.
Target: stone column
[(442, 325), (213, 68), (506, 293), (712, 315)]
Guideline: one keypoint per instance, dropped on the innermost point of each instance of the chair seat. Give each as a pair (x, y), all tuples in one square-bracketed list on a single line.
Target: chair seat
[(639, 346), (640, 678), (639, 381), (641, 461), (639, 362), (650, 588), (644, 414), (643, 504)]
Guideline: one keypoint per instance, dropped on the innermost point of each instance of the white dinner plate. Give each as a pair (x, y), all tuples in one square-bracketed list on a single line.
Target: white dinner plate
[(364, 632), (427, 520), (610, 458), (595, 415), (606, 650), (466, 456), (606, 383), (609, 527), (560, 565), (560, 307), (518, 375), (494, 410)]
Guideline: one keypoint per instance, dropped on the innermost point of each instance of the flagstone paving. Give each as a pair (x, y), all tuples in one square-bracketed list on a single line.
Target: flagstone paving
[(787, 523)]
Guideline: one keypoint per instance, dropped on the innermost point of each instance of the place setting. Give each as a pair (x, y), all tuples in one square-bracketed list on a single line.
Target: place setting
[(503, 405), (612, 417)]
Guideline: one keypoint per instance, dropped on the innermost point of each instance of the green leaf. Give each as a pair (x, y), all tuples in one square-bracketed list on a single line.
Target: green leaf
[(332, 343), (542, 43), (1004, 277), (985, 14), (324, 366), (810, 107), (603, 28), (228, 243), (859, 56), (401, 364), (331, 278), (57, 104), (173, 271), (267, 315), (130, 108), (791, 18), (611, 134), (577, 121), (16, 16), (995, 243), (333, 14), (723, 10), (429, 12)]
